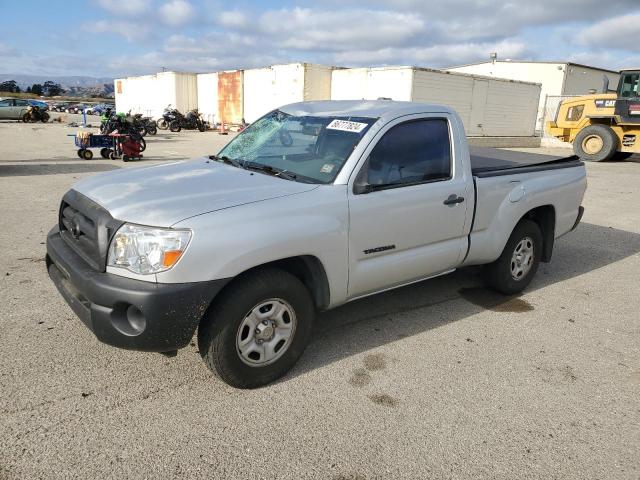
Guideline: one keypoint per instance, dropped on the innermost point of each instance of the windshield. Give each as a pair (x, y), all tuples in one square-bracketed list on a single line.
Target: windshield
[(311, 149)]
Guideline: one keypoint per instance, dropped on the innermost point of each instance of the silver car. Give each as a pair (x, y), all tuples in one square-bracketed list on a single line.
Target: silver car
[(13, 108)]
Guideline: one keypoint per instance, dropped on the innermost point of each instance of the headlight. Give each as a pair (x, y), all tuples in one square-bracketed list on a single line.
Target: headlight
[(147, 250)]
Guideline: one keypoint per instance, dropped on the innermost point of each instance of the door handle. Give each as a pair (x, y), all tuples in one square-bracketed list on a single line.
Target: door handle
[(453, 199)]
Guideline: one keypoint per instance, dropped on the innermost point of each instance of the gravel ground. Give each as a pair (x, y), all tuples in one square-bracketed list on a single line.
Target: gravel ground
[(437, 380)]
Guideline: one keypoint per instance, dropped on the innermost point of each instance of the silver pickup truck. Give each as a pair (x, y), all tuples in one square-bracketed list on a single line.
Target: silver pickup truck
[(313, 205)]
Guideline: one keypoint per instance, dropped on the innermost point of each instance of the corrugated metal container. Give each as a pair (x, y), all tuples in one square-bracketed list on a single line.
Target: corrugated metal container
[(230, 97), (487, 106), (208, 96), (150, 94), (268, 88)]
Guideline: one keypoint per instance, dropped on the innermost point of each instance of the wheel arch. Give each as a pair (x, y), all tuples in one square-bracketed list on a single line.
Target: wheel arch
[(306, 268), (545, 217)]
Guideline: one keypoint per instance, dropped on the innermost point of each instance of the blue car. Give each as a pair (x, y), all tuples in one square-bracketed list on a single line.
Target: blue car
[(38, 103)]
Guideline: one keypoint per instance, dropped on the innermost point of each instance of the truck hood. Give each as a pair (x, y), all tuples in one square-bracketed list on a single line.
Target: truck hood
[(163, 195)]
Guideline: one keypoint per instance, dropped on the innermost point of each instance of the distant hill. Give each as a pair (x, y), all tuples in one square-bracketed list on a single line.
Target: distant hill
[(74, 84)]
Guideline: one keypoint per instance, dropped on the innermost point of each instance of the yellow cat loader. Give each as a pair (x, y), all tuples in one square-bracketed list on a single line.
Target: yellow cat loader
[(601, 126)]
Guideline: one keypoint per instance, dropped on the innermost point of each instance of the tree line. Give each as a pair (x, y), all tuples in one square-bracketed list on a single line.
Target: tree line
[(48, 88)]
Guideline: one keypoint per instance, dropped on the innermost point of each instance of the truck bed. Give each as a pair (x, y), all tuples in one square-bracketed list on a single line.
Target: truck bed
[(492, 162)]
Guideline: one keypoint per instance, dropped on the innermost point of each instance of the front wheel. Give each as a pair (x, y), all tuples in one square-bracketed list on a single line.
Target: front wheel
[(45, 117), (151, 129), (258, 328), (201, 126), (175, 126), (518, 263), (162, 124), (596, 143)]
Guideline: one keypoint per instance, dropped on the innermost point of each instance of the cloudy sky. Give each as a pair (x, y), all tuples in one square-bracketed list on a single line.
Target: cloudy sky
[(127, 37)]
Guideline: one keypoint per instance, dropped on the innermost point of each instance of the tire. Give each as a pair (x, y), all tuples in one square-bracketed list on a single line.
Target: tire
[(104, 152), (44, 118), (175, 127), (87, 154), (201, 126), (151, 129), (112, 155), (502, 275), (26, 118), (228, 320), (80, 152), (162, 124), (143, 143), (125, 158), (590, 138)]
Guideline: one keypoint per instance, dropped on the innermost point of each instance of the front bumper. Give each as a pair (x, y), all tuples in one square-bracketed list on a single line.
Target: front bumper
[(128, 313)]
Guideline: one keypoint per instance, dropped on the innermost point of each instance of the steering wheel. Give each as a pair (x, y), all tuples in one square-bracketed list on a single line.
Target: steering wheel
[(285, 138)]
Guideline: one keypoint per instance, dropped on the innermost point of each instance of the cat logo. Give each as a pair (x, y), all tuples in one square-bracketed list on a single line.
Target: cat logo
[(605, 103)]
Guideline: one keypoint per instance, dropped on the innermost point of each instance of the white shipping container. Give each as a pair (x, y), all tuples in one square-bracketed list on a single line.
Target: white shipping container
[(268, 88), (487, 106), (151, 94), (208, 96)]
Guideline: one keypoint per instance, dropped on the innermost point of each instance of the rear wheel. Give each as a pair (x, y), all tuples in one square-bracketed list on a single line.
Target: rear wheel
[(175, 126), (26, 118), (45, 117), (201, 126), (151, 129), (596, 143), (87, 154), (104, 153), (518, 263), (80, 152), (162, 124), (257, 329)]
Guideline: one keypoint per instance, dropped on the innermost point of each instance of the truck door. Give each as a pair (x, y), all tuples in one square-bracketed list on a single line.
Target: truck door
[(407, 206), (628, 102)]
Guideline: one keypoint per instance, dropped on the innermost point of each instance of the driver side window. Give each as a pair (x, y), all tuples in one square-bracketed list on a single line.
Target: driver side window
[(414, 152)]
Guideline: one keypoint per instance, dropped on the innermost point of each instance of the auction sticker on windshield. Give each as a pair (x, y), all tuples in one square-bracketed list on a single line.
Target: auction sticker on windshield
[(346, 126)]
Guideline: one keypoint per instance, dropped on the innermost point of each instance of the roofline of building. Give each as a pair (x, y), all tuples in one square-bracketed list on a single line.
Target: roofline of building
[(534, 61), (446, 72)]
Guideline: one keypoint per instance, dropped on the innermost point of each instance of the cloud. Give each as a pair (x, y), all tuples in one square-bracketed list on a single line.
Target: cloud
[(132, 31), (7, 51), (308, 29), (233, 19), (125, 7), (177, 12), (616, 33), (433, 55)]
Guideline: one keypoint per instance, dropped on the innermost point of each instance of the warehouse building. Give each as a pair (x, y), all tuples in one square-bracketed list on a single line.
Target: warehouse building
[(151, 94), (557, 79), (488, 106)]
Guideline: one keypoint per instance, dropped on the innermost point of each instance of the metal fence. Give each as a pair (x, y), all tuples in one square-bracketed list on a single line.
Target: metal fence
[(551, 105)]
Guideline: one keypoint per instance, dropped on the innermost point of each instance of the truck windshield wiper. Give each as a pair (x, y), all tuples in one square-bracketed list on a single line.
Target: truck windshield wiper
[(227, 160), (268, 169)]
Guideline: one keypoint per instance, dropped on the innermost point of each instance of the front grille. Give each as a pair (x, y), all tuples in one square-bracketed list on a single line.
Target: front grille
[(87, 228)]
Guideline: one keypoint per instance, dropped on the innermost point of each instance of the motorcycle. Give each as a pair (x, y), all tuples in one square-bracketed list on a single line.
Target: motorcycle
[(143, 125), (168, 116), (121, 123), (190, 121), (35, 114)]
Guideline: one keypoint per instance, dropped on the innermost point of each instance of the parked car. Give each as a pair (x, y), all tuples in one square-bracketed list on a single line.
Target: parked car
[(312, 206), (58, 106), (95, 109), (13, 108), (75, 108)]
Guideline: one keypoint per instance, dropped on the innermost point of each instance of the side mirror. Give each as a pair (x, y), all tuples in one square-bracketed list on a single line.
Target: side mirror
[(361, 188), (361, 184)]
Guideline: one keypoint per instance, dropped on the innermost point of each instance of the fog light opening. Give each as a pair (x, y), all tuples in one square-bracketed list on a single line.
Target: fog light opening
[(128, 320)]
